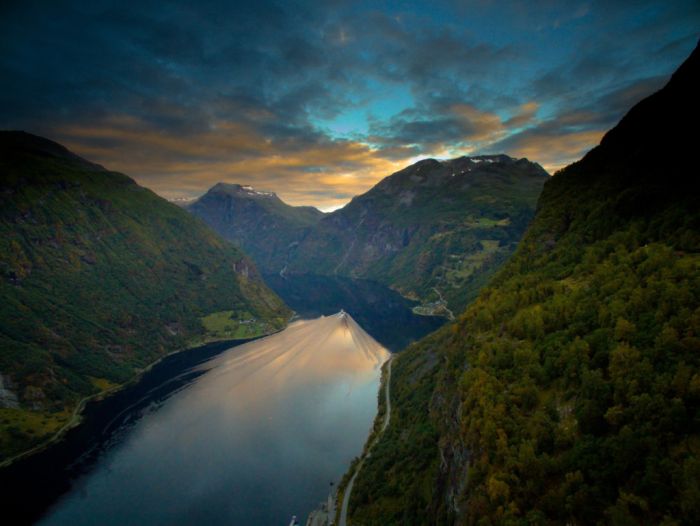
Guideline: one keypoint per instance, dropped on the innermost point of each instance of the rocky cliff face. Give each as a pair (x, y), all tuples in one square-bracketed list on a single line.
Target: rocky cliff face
[(435, 230), (259, 222)]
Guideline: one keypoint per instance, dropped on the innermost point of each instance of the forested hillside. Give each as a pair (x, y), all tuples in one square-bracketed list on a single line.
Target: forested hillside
[(569, 391), (436, 231), (98, 278)]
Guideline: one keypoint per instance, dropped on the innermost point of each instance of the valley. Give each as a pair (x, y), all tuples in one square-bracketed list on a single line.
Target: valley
[(314, 384), (350, 263), (567, 392), (435, 231)]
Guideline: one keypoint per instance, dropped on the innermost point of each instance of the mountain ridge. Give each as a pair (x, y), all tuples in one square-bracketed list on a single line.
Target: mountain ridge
[(257, 221), (569, 391), (434, 231), (405, 232), (98, 278)]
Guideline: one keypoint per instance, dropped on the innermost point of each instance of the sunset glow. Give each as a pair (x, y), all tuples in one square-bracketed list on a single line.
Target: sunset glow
[(318, 103)]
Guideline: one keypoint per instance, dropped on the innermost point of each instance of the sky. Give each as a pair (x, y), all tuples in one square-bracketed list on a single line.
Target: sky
[(319, 100)]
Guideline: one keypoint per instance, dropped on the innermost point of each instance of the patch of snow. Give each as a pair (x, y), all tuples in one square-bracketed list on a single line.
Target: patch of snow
[(482, 160), (250, 190)]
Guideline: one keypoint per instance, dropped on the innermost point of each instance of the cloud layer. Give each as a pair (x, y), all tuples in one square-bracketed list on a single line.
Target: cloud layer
[(318, 101)]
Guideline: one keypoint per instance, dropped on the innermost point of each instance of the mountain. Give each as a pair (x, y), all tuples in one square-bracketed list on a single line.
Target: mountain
[(99, 277), (435, 231), (264, 226), (569, 391)]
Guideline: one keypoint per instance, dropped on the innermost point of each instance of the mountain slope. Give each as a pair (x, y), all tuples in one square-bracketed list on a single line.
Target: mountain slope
[(259, 222), (99, 277), (569, 391), (435, 229)]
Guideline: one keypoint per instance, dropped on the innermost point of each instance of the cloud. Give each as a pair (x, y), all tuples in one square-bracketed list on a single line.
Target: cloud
[(450, 130), (524, 116), (551, 148), (568, 135), (183, 97), (322, 172)]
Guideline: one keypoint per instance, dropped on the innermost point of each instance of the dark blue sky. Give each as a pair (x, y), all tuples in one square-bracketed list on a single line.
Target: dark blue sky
[(319, 100)]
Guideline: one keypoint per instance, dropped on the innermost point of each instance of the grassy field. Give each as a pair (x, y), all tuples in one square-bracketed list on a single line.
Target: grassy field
[(21, 429), (229, 324)]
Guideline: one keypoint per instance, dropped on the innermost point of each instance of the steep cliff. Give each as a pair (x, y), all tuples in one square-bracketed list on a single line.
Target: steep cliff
[(569, 391), (259, 222)]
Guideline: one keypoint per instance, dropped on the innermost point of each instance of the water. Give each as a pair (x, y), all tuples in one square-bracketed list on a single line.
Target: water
[(249, 435), (382, 312), (254, 438)]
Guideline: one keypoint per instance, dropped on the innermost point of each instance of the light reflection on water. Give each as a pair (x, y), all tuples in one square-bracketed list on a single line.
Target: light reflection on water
[(254, 440)]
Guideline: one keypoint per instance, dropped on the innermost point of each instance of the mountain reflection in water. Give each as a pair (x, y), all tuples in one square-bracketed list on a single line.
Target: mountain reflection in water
[(382, 312)]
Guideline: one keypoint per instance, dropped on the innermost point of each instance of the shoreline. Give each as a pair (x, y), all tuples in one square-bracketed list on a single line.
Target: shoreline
[(334, 511), (342, 498), (77, 417), (347, 491)]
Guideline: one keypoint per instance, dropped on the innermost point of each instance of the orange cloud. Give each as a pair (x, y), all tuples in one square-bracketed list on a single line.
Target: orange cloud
[(301, 170), (323, 174), (525, 116), (556, 150), (486, 126)]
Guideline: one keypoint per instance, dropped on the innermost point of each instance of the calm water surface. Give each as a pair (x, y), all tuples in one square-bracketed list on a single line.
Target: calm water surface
[(254, 437), (382, 312)]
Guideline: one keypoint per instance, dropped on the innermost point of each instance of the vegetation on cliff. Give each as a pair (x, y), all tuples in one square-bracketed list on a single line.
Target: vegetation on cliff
[(435, 231), (259, 222), (569, 391), (98, 278)]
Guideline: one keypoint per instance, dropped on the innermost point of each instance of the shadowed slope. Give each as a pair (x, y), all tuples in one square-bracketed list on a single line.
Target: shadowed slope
[(98, 278)]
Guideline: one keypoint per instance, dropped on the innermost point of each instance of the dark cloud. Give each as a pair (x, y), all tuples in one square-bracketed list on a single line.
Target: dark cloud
[(318, 99), (438, 128), (570, 134)]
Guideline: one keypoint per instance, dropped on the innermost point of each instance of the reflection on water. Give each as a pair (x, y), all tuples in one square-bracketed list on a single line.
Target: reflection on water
[(254, 439), (382, 312)]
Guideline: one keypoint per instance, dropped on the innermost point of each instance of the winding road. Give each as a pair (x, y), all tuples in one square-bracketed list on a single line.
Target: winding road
[(387, 417), (451, 314)]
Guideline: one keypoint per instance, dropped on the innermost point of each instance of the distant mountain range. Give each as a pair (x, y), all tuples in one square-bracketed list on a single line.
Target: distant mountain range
[(435, 231), (98, 278), (569, 391)]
